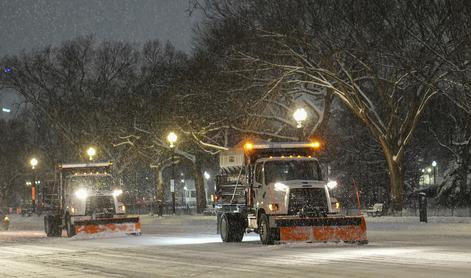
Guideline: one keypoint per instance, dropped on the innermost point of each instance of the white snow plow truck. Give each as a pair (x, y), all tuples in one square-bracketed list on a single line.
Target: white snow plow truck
[(277, 190), (84, 200)]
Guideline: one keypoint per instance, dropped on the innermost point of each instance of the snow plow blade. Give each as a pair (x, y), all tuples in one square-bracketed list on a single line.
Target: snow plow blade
[(323, 229), (120, 226)]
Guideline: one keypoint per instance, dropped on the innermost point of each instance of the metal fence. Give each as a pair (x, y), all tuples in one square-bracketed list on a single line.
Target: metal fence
[(450, 212)]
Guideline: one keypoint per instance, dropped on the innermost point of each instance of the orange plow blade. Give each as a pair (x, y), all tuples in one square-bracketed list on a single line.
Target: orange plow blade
[(345, 228), (120, 226)]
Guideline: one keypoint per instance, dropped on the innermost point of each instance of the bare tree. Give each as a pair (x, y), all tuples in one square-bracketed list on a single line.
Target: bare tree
[(384, 60)]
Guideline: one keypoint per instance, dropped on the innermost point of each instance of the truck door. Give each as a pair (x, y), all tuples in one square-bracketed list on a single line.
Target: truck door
[(258, 186)]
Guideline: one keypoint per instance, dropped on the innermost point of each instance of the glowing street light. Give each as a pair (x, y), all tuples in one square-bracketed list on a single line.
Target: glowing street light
[(300, 115), (91, 152), (33, 162), (172, 138)]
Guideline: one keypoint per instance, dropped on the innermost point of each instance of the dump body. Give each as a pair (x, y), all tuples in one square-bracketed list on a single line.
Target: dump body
[(86, 201), (285, 197)]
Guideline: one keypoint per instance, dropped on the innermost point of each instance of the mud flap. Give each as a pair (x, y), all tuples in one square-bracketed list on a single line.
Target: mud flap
[(125, 225), (323, 229)]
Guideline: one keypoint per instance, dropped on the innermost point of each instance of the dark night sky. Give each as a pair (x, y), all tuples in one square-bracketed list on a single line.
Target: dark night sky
[(25, 24)]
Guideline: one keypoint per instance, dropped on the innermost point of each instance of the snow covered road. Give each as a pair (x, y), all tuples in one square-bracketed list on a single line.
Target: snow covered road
[(187, 246)]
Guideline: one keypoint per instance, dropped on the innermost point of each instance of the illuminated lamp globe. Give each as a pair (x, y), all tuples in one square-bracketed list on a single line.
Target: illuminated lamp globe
[(91, 152), (33, 162), (172, 138), (300, 115)]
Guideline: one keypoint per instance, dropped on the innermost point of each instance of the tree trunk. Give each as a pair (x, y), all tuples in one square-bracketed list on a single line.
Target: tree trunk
[(160, 189), (396, 181), (464, 172), (160, 186), (199, 186)]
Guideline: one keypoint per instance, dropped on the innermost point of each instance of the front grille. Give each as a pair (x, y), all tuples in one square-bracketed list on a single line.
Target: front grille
[(307, 202), (100, 206)]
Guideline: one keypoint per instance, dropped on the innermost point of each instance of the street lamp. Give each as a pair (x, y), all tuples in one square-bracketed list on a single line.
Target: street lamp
[(91, 153), (300, 116), (33, 162), (172, 139)]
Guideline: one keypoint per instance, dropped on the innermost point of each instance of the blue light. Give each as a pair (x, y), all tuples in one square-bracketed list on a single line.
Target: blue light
[(7, 70)]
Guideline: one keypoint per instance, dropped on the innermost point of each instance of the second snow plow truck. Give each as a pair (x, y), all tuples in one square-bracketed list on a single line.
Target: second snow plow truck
[(277, 190), (84, 200)]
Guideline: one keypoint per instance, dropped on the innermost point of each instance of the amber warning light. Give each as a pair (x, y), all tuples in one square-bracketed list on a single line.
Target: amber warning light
[(248, 146), (315, 145)]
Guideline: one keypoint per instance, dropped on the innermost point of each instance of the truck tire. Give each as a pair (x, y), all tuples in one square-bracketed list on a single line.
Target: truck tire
[(238, 224), (57, 226), (267, 235), (48, 226), (232, 227), (69, 227), (52, 225), (224, 228)]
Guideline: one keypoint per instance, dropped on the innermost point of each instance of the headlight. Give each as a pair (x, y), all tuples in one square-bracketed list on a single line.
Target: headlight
[(332, 184), (82, 194), (117, 192), (6, 218), (280, 187)]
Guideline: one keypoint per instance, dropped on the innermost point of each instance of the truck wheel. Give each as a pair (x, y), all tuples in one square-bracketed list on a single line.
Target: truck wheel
[(56, 228), (232, 227), (267, 234), (238, 227), (49, 226), (225, 228), (69, 227)]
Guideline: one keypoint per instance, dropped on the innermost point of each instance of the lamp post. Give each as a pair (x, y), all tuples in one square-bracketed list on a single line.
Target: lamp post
[(172, 139), (300, 115), (33, 162), (434, 165)]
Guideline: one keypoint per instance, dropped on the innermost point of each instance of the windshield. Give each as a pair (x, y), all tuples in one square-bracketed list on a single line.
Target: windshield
[(285, 170), (91, 182)]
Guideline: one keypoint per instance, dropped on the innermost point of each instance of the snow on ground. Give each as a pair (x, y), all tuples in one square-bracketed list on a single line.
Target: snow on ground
[(182, 246)]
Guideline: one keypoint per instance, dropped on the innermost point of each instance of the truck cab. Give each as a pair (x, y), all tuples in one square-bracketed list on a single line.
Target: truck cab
[(92, 195), (290, 186)]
